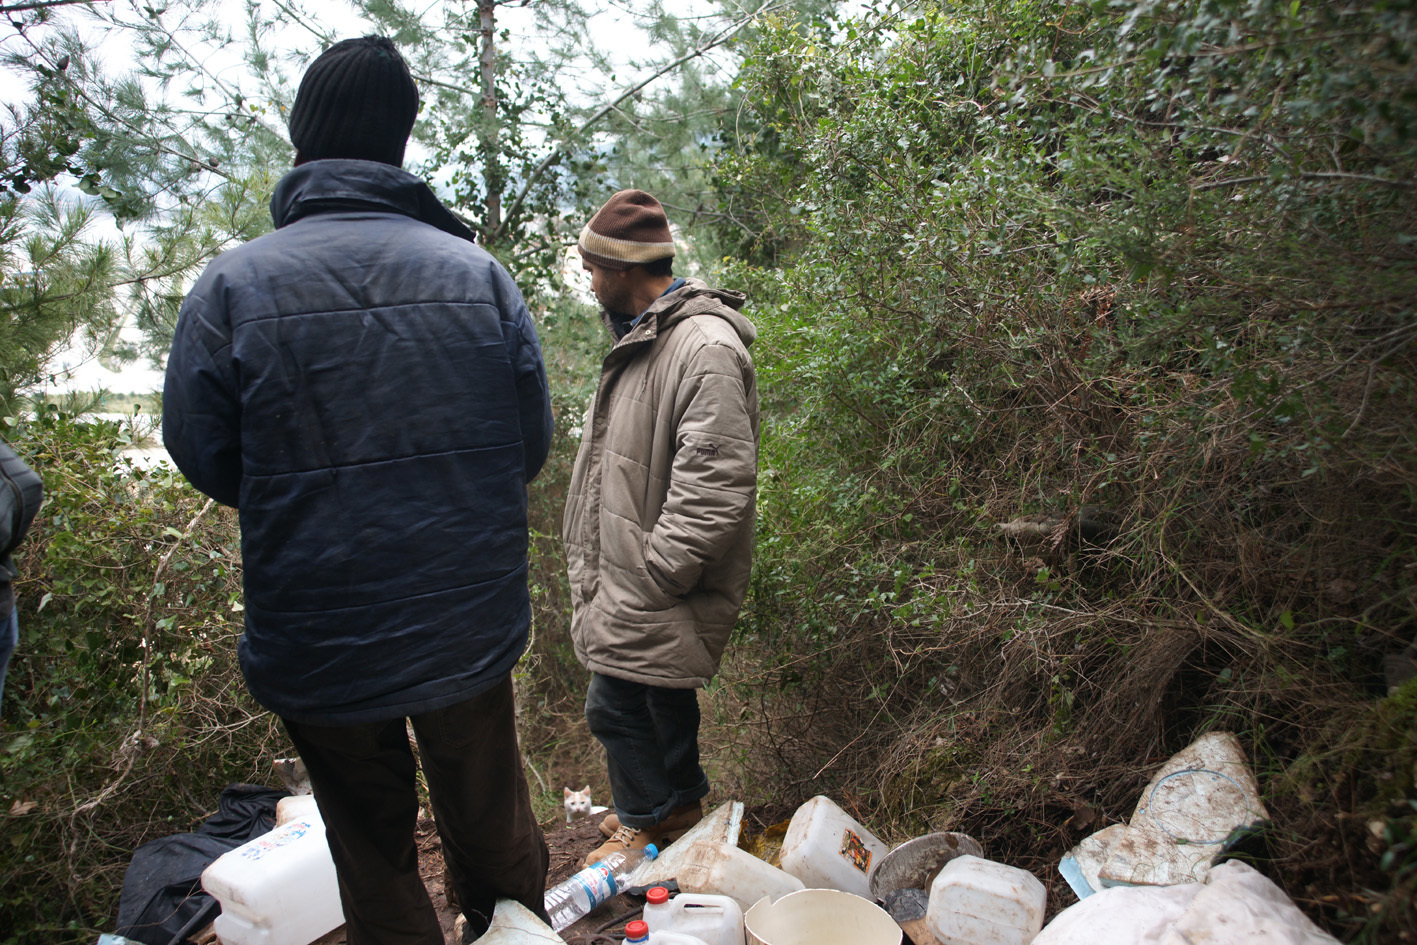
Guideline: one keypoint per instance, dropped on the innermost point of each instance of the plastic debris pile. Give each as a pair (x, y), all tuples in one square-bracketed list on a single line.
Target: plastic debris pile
[(1159, 878)]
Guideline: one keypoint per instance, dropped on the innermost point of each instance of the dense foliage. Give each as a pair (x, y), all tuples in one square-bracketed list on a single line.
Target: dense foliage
[(1087, 368), (1090, 357), (124, 711)]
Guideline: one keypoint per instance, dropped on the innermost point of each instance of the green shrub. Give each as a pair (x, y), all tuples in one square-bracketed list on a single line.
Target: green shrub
[(124, 712), (1154, 259)]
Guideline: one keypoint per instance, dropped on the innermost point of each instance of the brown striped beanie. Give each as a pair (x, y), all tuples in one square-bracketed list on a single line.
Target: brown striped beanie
[(357, 100), (630, 230)]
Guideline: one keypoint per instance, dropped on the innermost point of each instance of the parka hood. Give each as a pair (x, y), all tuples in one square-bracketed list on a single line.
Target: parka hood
[(341, 185), (694, 297)]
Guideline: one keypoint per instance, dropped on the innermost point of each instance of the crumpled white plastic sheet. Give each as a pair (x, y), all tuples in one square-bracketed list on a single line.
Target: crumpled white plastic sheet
[(1236, 905), (1184, 821)]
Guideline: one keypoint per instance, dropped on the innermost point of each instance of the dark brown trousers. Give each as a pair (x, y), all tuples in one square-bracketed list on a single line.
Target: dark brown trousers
[(364, 783)]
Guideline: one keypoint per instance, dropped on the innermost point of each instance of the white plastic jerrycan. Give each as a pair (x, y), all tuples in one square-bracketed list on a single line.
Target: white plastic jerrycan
[(295, 806), (278, 889), (722, 869), (827, 849), (974, 901), (717, 920)]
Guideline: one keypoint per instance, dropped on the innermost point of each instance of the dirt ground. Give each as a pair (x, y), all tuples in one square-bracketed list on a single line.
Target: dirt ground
[(568, 844)]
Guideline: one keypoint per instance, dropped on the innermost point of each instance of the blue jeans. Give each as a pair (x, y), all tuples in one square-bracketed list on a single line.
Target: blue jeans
[(9, 639), (651, 739)]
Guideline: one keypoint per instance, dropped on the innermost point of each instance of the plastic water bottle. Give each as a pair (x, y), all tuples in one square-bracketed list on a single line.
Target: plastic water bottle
[(578, 895)]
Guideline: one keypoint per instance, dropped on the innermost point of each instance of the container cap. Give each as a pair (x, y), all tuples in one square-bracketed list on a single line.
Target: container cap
[(636, 931), (651, 850), (657, 896)]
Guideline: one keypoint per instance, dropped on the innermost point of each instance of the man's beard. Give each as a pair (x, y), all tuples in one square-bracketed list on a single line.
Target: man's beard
[(619, 322), (616, 306)]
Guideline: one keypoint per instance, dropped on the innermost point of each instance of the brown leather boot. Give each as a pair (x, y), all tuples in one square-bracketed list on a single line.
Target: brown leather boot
[(671, 828), (694, 811)]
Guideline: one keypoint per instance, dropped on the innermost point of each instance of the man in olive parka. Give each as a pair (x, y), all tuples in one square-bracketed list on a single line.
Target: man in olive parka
[(659, 517)]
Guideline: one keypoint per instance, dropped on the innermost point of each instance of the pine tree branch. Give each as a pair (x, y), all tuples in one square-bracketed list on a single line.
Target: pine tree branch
[(609, 108), (200, 65), (299, 19), (43, 5), (156, 143)]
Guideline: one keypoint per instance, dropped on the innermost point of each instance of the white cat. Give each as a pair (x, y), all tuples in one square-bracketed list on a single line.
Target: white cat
[(578, 804)]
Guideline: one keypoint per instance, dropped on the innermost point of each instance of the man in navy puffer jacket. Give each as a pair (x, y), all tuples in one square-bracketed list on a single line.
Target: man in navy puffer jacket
[(366, 386)]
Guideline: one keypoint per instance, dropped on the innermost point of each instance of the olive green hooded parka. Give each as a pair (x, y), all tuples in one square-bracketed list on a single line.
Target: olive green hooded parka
[(658, 525)]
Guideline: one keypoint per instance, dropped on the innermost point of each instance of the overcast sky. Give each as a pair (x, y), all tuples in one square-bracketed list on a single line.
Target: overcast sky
[(75, 368)]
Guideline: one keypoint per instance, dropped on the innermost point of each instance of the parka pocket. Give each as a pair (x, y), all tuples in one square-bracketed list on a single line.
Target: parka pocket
[(656, 597)]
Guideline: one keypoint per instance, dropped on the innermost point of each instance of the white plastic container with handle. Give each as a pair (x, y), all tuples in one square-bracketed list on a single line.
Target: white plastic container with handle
[(974, 901), (721, 869), (717, 920), (277, 889), (827, 849)]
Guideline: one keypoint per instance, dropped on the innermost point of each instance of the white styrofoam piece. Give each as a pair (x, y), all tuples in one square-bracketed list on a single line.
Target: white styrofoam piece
[(1081, 864), (722, 825), (1193, 803), (515, 924)]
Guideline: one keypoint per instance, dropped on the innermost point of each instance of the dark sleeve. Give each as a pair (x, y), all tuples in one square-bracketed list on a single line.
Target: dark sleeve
[(201, 410), (533, 395), (21, 492)]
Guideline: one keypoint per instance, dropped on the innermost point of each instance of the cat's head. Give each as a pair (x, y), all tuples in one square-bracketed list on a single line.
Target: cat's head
[(578, 802)]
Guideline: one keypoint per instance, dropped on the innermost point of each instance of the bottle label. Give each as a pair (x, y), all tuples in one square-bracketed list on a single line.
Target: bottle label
[(854, 851), (268, 843), (598, 883)]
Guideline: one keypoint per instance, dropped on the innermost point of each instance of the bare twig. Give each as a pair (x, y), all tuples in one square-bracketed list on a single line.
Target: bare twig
[(1310, 175)]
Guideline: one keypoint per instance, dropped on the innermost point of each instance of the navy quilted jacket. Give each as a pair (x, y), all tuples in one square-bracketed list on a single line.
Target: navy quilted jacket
[(366, 386), (21, 491)]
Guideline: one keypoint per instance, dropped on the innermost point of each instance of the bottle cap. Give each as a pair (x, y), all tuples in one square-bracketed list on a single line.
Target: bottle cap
[(636, 931), (657, 896), (651, 850)]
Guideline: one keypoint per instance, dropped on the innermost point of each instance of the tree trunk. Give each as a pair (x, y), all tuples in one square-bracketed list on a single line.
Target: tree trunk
[(491, 164)]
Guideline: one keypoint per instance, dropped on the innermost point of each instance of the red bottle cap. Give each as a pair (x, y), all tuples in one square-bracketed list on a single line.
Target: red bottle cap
[(657, 896), (636, 931)]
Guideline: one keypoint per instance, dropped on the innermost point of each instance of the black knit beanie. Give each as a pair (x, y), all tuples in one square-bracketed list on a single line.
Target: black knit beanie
[(357, 100)]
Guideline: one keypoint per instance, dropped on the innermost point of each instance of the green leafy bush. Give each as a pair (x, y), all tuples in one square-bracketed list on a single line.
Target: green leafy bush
[(1058, 264), (124, 712)]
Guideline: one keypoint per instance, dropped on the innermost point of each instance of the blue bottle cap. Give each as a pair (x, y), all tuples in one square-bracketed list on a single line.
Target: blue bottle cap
[(651, 851)]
